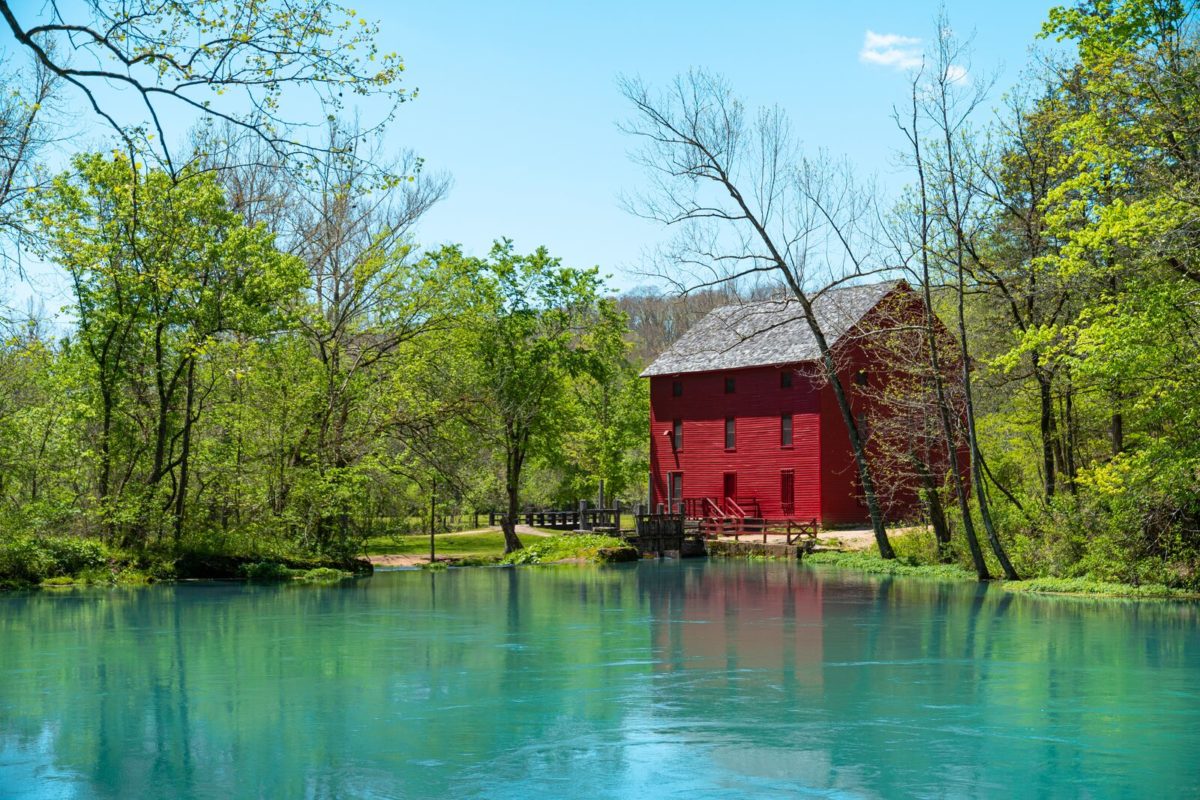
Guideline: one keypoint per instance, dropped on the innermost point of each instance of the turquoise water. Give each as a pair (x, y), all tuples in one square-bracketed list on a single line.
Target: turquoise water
[(690, 680)]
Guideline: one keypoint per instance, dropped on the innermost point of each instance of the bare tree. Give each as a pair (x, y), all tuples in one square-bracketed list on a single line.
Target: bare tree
[(750, 209), (947, 209)]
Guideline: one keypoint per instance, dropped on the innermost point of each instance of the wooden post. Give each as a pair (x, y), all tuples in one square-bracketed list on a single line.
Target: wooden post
[(432, 519), (617, 516)]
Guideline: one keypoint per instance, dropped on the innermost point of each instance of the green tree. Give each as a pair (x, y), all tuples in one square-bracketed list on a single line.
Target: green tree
[(162, 273), (533, 336)]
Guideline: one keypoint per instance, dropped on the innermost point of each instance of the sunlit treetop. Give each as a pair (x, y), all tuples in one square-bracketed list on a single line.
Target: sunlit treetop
[(248, 63)]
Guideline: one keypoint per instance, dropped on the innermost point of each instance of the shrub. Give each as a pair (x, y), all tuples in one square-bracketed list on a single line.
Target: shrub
[(75, 555), (324, 575), (29, 559), (264, 571), (588, 546)]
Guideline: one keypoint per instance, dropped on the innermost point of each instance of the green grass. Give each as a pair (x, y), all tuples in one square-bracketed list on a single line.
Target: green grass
[(465, 545), (868, 561), (589, 547), (1087, 586)]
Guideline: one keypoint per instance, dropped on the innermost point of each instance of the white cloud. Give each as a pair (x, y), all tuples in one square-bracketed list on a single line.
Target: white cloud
[(891, 50), (956, 73)]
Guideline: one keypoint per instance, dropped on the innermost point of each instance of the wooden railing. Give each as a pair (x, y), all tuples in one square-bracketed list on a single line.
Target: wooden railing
[(792, 530), (750, 506), (595, 519)]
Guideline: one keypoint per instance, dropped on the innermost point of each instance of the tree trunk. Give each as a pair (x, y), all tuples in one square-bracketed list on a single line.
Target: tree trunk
[(106, 457), (860, 459), (512, 482), (185, 450), (1069, 435), (933, 506), (973, 443), (1046, 427), (1117, 433)]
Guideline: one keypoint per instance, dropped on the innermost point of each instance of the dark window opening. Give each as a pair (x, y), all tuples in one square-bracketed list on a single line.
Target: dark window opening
[(785, 379), (677, 389), (677, 435), (730, 385), (730, 433), (861, 378), (785, 430)]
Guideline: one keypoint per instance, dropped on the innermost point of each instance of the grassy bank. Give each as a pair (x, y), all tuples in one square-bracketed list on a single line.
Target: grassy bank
[(27, 561), (576, 547), (916, 556)]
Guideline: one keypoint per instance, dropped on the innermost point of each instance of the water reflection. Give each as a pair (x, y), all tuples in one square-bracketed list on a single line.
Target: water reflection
[(696, 678)]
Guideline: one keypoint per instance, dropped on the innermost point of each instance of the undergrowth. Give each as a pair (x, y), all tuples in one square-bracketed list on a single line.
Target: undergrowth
[(585, 546)]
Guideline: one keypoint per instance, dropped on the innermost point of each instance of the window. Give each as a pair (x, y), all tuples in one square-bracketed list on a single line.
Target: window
[(730, 385), (787, 491), (677, 389), (730, 433), (860, 377), (785, 379), (677, 435), (785, 430)]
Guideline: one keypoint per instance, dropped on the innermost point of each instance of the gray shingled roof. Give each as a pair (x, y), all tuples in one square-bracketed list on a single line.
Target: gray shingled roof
[(767, 332)]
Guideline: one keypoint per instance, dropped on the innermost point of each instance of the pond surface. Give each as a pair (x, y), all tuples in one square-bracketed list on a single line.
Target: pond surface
[(680, 679)]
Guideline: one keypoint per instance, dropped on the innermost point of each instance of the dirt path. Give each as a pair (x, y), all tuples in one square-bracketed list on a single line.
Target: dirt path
[(846, 539)]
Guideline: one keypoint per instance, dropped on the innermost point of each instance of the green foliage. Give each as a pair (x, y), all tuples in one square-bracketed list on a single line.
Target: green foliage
[(323, 575), (266, 571), (869, 561), (26, 560), (582, 546)]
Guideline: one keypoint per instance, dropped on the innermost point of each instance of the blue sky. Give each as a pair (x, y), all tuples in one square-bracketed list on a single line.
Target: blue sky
[(518, 100)]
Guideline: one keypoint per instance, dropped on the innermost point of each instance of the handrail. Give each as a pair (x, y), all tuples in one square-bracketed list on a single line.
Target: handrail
[(731, 503), (713, 505)]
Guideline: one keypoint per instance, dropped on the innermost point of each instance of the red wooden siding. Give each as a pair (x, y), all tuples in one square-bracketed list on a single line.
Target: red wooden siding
[(758, 459), (841, 501)]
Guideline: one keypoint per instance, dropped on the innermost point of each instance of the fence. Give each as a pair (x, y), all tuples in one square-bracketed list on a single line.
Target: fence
[(601, 520)]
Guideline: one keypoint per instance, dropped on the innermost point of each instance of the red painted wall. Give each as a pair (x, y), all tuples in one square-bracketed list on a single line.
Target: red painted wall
[(757, 405)]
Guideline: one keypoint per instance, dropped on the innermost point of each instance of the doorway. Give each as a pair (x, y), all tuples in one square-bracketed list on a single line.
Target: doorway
[(674, 492), (729, 496)]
